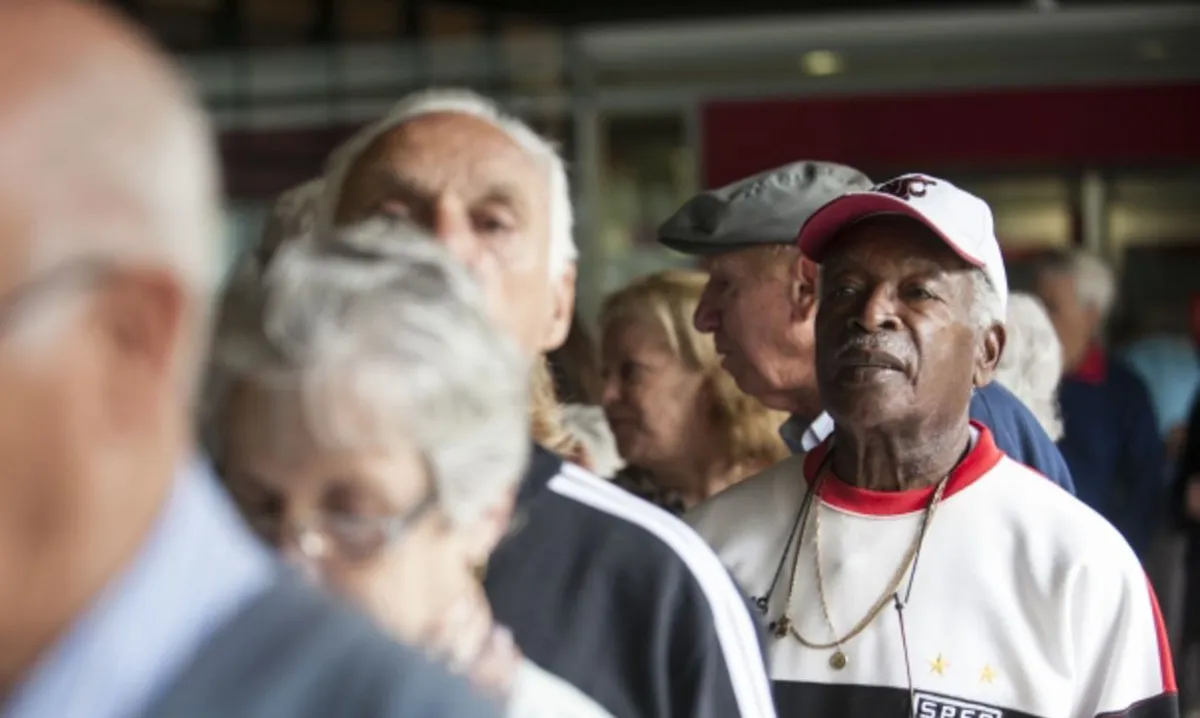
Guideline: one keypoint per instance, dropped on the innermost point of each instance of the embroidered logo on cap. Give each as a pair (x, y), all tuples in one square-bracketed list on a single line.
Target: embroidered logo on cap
[(906, 187)]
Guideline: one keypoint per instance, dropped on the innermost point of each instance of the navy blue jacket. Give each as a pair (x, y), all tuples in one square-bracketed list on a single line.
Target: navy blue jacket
[(1112, 445), (1189, 466), (1018, 433)]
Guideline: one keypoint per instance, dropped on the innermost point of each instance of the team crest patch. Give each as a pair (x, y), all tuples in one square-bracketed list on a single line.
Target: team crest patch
[(934, 706)]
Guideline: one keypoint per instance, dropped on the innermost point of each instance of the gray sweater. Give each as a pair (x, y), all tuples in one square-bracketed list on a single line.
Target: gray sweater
[(294, 653)]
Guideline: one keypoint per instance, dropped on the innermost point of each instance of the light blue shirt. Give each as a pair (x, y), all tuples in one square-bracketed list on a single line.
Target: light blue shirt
[(802, 437), (196, 569), (1170, 369)]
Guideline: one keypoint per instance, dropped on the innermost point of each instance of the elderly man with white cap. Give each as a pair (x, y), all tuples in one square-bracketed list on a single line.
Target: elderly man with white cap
[(909, 566), (761, 301), (620, 599)]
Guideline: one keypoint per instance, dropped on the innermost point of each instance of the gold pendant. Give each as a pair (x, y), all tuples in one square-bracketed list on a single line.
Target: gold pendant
[(782, 626), (837, 661)]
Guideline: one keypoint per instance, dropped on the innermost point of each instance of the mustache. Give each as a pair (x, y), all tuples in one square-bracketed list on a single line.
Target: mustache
[(884, 345)]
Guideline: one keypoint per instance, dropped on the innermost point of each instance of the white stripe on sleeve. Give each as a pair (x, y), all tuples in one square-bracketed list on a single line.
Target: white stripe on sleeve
[(736, 633)]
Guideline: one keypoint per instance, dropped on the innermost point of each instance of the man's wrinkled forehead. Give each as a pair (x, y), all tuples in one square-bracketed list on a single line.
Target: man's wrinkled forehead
[(757, 260), (445, 152)]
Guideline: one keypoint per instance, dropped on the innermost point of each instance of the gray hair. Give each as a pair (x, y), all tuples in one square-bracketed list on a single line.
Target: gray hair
[(985, 302), (292, 215), (398, 334), (1095, 281), (1031, 365), (464, 102)]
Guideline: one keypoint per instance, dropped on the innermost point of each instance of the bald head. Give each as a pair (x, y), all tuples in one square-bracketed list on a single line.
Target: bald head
[(103, 152), (109, 247)]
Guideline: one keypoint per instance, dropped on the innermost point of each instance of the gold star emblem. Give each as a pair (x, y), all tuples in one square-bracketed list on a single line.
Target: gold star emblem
[(987, 675), (939, 665)]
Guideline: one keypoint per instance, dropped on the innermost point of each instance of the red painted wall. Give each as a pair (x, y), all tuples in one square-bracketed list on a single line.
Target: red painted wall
[(1063, 127)]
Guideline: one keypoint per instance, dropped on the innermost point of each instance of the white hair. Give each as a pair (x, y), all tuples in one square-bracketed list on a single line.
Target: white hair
[(1031, 365), (1095, 281), (985, 303), (464, 102), (383, 348)]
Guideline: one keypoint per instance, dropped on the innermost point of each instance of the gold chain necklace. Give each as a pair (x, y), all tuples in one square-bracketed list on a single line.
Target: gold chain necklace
[(786, 625)]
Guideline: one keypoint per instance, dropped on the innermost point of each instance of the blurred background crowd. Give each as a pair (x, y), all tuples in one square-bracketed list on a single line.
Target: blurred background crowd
[(1077, 122), (1074, 119)]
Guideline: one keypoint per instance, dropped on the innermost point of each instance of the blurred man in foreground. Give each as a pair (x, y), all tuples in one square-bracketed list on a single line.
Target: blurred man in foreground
[(761, 302), (910, 567), (619, 598), (128, 587)]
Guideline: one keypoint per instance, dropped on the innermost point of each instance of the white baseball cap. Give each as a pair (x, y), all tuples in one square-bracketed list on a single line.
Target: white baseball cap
[(962, 220)]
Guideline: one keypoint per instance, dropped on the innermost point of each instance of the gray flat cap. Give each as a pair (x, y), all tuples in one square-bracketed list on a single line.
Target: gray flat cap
[(768, 208)]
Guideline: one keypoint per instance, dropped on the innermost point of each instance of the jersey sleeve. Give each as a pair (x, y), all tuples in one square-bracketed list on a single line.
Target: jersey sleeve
[(716, 651), (1123, 656)]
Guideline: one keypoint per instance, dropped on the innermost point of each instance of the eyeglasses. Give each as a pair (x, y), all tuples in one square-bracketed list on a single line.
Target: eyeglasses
[(349, 536), (74, 275)]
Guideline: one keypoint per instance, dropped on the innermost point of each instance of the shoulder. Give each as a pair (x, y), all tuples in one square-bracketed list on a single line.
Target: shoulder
[(611, 514), (1097, 580), (642, 550), (1060, 533), (1073, 571), (1058, 538), (1121, 376), (326, 659), (537, 693), (1019, 434), (761, 496), (1001, 411)]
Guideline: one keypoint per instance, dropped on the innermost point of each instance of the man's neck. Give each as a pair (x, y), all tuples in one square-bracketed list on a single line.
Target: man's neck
[(70, 569), (804, 406), (881, 460)]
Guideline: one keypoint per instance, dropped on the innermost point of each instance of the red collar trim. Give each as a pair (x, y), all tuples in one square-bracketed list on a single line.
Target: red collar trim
[(1094, 367), (982, 458)]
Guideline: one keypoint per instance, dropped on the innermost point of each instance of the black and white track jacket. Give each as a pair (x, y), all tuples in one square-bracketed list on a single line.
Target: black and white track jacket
[(625, 601)]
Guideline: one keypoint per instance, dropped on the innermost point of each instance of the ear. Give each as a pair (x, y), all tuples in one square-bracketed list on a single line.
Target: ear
[(804, 277), (988, 356), (141, 316), (562, 308), (484, 534)]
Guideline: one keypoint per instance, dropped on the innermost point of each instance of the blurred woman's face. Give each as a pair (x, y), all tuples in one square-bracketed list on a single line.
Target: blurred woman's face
[(365, 523), (657, 407)]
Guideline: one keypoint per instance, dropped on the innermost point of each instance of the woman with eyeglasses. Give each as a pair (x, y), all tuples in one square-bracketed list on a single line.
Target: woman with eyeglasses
[(371, 425)]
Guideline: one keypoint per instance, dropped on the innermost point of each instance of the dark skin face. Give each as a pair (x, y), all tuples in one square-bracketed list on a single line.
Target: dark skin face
[(897, 353)]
